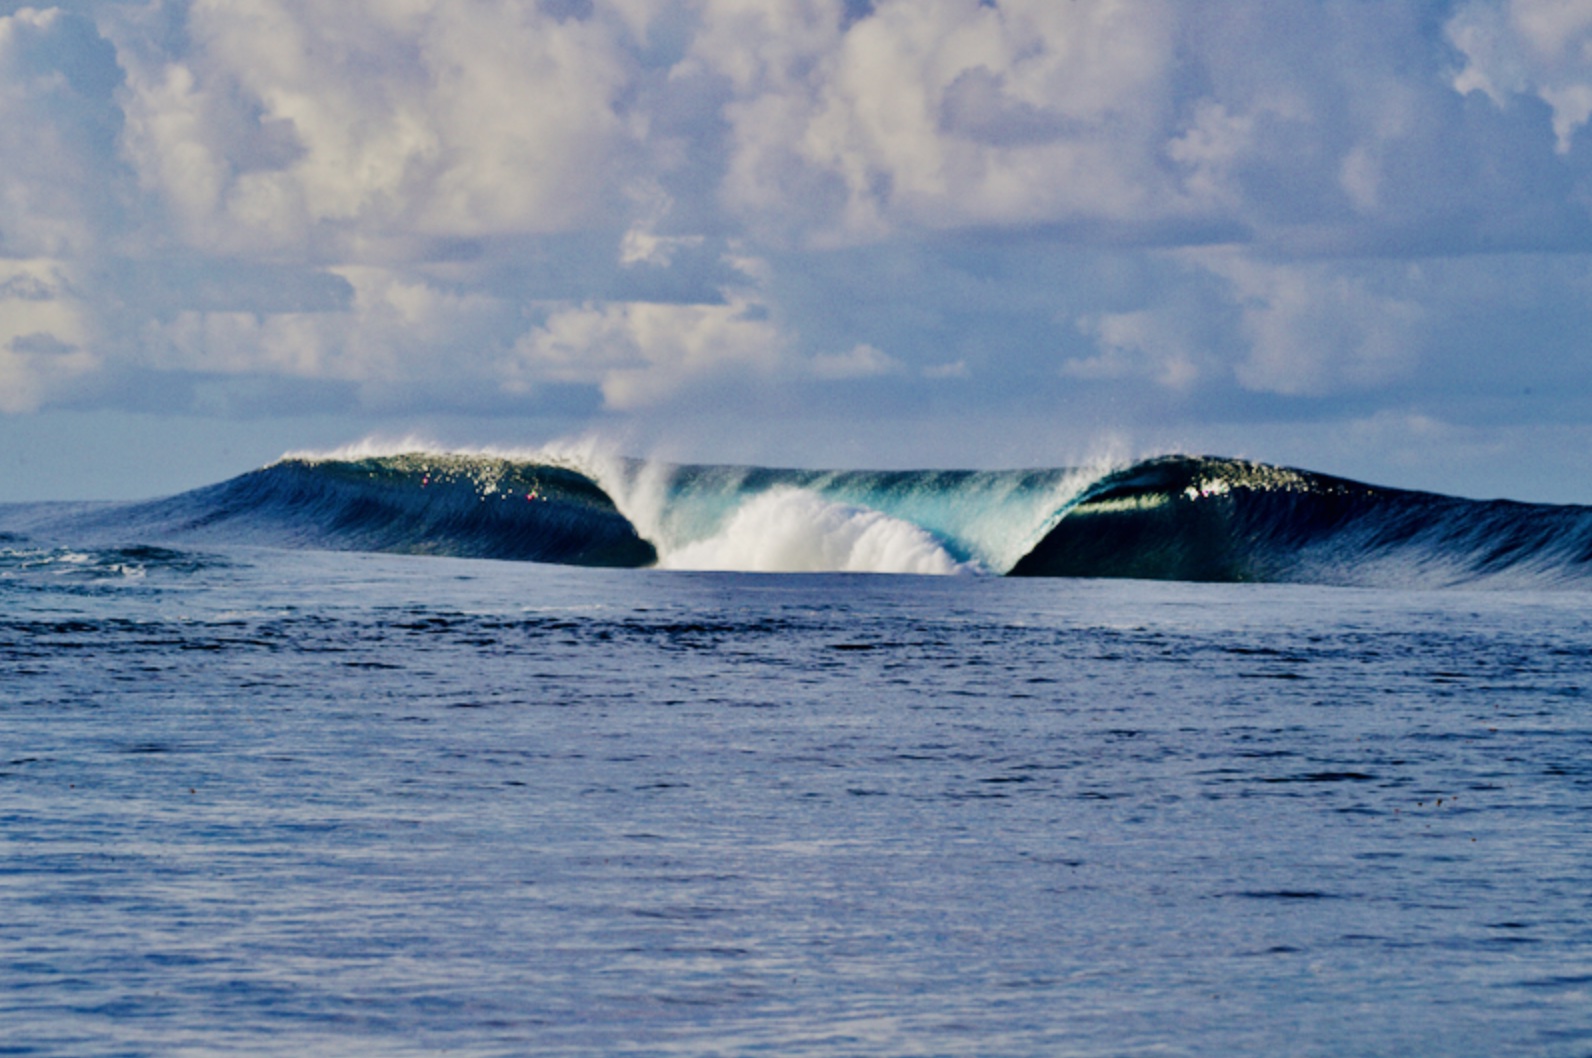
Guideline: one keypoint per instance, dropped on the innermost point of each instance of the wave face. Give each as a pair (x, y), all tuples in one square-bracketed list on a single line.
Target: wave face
[(1205, 519), (1175, 517), (430, 504)]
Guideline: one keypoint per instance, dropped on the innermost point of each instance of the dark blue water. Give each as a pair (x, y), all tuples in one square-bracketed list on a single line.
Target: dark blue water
[(278, 802), (1168, 518)]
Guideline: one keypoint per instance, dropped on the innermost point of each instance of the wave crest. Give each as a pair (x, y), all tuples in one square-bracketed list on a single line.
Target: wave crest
[(1173, 517), (1210, 519)]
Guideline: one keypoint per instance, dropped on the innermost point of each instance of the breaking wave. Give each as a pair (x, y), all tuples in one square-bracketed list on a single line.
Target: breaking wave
[(420, 503), (1174, 517), (790, 530), (1205, 519)]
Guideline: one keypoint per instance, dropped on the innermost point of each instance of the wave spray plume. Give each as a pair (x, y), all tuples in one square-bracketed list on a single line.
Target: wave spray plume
[(1173, 517)]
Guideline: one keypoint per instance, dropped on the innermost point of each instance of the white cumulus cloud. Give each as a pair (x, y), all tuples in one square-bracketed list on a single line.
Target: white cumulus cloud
[(1529, 47), (58, 128), (1314, 329), (644, 353), (835, 210), (44, 334), (1149, 344), (293, 124), (399, 330), (943, 112)]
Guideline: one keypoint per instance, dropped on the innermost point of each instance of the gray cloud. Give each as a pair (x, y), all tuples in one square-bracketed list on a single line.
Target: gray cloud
[(1132, 214)]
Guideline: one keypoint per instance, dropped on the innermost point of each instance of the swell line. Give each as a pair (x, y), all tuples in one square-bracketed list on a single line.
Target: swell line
[(1190, 518)]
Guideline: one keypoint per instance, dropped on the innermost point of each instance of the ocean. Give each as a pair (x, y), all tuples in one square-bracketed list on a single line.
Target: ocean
[(469, 754)]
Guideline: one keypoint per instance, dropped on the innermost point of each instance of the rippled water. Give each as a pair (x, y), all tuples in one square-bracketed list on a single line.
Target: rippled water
[(300, 803)]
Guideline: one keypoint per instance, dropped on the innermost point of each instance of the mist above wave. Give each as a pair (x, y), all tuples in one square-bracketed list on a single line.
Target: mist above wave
[(1172, 517), (791, 530)]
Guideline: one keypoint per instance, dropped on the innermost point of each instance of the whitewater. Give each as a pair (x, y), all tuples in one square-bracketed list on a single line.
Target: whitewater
[(563, 753), (1166, 518)]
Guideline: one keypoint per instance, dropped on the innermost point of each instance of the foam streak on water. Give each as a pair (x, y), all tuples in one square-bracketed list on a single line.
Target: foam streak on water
[(310, 803)]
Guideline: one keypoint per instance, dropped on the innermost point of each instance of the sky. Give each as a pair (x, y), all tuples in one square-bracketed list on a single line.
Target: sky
[(1349, 235)]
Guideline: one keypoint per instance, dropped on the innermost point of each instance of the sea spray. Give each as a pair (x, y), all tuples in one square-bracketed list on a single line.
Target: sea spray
[(980, 519), (791, 530), (638, 488), (1173, 517)]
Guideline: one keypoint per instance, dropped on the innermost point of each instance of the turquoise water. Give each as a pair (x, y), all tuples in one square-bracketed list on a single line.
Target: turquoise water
[(1168, 518)]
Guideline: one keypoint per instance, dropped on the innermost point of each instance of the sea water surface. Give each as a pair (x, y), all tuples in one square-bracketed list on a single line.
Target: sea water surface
[(278, 802)]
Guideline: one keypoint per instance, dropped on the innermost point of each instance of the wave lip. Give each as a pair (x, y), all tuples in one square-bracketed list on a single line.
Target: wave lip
[(1169, 518)]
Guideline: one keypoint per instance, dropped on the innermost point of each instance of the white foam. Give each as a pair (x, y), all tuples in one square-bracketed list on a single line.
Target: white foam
[(790, 530), (639, 489), (715, 525)]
